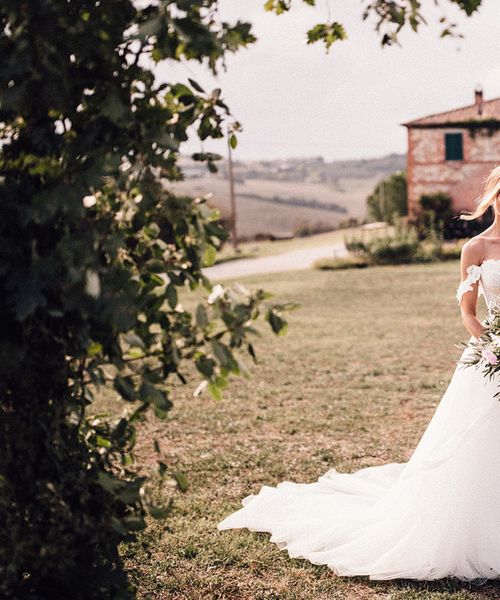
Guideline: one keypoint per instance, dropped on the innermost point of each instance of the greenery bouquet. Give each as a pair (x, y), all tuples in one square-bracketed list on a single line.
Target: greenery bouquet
[(484, 352)]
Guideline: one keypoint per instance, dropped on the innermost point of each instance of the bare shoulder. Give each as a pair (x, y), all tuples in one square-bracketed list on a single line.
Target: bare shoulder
[(473, 251)]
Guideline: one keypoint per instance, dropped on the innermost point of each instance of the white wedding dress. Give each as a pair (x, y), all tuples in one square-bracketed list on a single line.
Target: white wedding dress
[(435, 516)]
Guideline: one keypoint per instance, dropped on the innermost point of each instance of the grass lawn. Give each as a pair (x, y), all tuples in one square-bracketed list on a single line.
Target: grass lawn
[(353, 383)]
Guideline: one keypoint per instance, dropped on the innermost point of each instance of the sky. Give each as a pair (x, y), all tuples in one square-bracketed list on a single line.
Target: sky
[(294, 100)]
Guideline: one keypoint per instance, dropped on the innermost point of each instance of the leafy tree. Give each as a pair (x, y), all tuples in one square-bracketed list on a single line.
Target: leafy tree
[(95, 254), (389, 199)]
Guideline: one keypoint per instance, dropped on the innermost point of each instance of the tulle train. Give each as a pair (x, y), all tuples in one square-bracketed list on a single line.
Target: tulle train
[(438, 515)]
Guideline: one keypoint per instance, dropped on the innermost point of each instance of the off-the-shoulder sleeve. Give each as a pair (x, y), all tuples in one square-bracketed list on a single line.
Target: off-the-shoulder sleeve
[(473, 275)]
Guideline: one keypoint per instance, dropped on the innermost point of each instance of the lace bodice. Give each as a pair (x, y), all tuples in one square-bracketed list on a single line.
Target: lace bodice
[(488, 275)]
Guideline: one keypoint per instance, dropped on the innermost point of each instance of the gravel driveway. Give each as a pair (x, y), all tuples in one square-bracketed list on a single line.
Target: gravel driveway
[(288, 261)]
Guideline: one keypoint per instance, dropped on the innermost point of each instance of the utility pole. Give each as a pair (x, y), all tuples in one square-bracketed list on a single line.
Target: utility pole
[(231, 190)]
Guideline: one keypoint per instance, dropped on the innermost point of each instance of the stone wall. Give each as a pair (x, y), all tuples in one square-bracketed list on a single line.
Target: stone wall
[(428, 171)]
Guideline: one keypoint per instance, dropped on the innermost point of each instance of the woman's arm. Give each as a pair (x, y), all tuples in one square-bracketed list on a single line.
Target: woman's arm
[(472, 254)]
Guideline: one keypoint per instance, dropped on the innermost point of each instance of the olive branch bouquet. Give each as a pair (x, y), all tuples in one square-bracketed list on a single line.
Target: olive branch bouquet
[(485, 350)]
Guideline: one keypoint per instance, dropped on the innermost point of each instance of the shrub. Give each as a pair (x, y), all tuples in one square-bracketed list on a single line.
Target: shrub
[(393, 251), (356, 246), (307, 229), (400, 247), (341, 262), (436, 215), (435, 212), (457, 228)]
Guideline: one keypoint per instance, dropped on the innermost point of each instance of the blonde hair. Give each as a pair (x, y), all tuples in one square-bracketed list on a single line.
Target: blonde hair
[(490, 194)]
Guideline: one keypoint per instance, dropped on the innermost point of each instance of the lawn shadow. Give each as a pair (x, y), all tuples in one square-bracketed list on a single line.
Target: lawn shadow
[(486, 588)]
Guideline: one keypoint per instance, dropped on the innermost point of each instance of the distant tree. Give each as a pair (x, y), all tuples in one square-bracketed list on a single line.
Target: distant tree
[(94, 252), (389, 199)]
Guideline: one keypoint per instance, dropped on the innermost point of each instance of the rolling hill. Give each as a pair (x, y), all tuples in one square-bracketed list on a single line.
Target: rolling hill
[(282, 196)]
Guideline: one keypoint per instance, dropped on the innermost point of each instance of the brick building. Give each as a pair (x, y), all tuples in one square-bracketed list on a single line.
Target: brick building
[(452, 152)]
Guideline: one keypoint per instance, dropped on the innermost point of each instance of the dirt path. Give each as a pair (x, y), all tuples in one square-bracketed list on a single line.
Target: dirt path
[(288, 261)]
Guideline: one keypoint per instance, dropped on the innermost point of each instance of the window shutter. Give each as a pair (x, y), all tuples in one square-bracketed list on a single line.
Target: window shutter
[(454, 146)]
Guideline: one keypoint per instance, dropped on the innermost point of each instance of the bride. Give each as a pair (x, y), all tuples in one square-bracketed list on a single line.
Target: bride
[(437, 515)]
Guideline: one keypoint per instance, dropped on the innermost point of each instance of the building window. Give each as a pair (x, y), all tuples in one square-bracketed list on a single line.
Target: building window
[(454, 146)]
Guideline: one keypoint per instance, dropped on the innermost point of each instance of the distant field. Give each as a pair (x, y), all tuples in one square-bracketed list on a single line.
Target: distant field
[(257, 213)]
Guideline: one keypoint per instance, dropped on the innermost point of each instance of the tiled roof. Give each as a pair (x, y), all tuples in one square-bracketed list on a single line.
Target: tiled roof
[(490, 111)]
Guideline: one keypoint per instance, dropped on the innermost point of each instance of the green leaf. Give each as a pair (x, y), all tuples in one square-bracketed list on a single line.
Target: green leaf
[(139, 412), (125, 387), (107, 481), (205, 366), (209, 256), (94, 349), (102, 441), (160, 512), (251, 351), (278, 6), (118, 526), (214, 391), (156, 265), (201, 316), (135, 353), (171, 294), (203, 156), (233, 141), (113, 108), (133, 339), (223, 354), (134, 522), (150, 27), (127, 460), (121, 428), (156, 54), (221, 382), (196, 86), (131, 490), (159, 413), (278, 325), (181, 480), (328, 33), (28, 298), (153, 395)]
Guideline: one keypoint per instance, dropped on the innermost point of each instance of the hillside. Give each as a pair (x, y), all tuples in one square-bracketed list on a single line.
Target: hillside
[(281, 196)]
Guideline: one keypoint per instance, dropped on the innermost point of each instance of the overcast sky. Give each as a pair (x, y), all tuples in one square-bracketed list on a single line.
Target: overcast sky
[(296, 100)]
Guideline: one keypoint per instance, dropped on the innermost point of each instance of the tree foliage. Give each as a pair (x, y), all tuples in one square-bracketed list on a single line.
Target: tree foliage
[(95, 255), (388, 201), (390, 16), (94, 252)]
